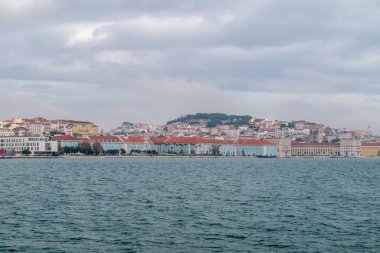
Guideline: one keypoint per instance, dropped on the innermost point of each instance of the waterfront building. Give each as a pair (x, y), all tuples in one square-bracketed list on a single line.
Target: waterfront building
[(371, 149), (14, 145), (284, 147), (227, 148), (182, 145), (253, 147), (134, 143), (108, 142), (188, 145), (309, 149), (69, 141), (350, 148), (204, 146)]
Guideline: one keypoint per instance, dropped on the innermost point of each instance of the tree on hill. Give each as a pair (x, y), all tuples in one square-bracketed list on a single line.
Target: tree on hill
[(126, 124), (212, 123), (213, 119)]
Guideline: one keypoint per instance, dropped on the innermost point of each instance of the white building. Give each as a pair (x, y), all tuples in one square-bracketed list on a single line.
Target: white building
[(232, 133), (6, 132), (304, 131), (36, 145), (284, 146), (39, 129), (61, 126), (350, 148)]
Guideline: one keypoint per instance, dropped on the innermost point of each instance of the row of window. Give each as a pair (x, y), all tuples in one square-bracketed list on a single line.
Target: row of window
[(12, 140), (315, 153), (22, 148), (19, 144)]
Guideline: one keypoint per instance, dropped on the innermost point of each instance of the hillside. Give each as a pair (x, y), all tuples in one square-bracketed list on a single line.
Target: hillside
[(213, 119)]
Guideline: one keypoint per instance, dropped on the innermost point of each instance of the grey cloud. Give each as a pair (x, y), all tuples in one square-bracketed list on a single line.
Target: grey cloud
[(216, 48)]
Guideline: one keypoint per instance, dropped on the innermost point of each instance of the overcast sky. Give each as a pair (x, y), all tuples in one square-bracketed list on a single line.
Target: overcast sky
[(153, 60)]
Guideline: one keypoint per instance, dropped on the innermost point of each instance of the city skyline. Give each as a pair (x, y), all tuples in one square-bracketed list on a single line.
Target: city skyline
[(189, 126), (101, 127), (151, 61)]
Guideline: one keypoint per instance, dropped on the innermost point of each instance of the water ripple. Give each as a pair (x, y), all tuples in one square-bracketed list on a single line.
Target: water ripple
[(190, 205)]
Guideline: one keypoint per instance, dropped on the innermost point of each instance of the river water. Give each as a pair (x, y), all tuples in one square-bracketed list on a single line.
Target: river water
[(190, 205)]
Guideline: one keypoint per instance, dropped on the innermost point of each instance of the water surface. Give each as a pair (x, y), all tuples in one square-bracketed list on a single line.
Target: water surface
[(190, 205)]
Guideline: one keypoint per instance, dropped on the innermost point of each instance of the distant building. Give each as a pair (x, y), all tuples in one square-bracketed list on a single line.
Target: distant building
[(84, 128), (311, 149), (23, 131), (316, 135), (329, 138), (204, 146), (345, 135), (350, 148), (6, 132), (69, 141), (108, 142), (284, 146), (371, 149), (133, 143), (61, 126), (253, 147), (38, 129), (232, 133), (184, 145)]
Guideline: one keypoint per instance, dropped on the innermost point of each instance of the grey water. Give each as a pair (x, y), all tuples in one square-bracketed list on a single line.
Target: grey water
[(190, 205)]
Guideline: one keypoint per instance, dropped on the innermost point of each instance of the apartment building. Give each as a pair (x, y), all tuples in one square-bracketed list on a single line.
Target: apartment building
[(84, 128)]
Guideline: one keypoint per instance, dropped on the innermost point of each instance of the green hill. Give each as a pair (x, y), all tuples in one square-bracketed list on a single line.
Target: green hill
[(213, 119)]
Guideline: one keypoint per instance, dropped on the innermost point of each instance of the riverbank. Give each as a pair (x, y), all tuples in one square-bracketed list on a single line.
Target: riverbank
[(126, 157), (168, 156)]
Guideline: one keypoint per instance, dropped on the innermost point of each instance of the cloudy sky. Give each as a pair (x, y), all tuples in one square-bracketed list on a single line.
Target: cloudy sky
[(152, 60)]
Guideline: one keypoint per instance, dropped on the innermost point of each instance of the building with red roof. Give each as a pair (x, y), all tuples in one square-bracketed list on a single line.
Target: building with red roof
[(134, 143), (175, 145), (254, 147), (69, 141), (108, 142), (310, 149), (371, 149), (204, 146)]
